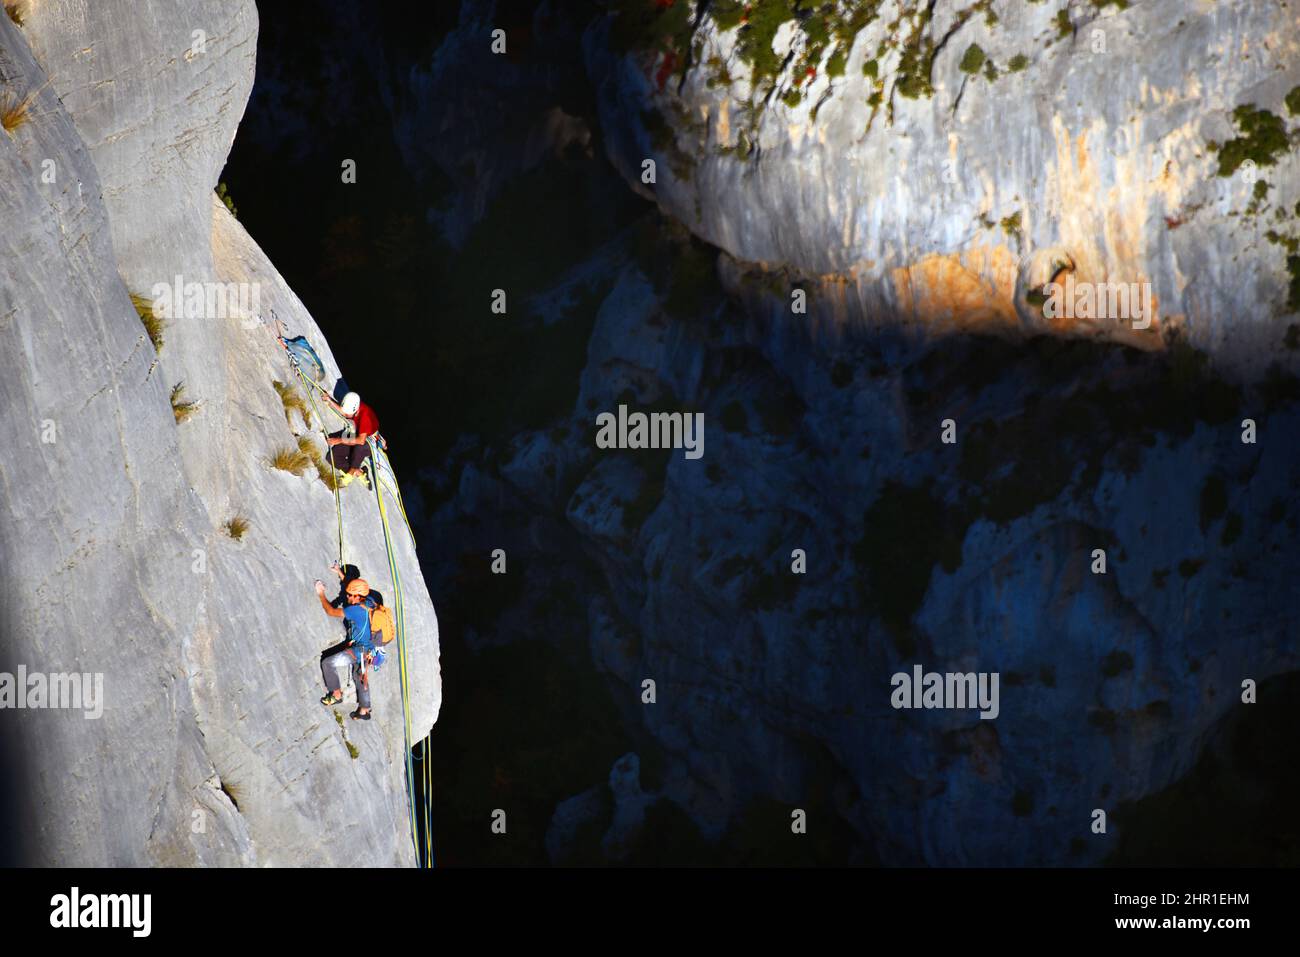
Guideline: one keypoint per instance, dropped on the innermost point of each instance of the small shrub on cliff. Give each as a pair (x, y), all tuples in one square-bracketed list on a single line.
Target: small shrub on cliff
[(14, 112), (324, 470), (972, 59), (1017, 63), (1011, 225), (293, 401), (182, 410), (326, 473), (1063, 25), (153, 323), (835, 65), (233, 791), (236, 527), (1262, 141), (291, 459), (16, 11), (223, 194)]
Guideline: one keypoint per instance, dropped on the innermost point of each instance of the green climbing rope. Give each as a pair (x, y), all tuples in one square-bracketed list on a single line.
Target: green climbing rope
[(380, 483)]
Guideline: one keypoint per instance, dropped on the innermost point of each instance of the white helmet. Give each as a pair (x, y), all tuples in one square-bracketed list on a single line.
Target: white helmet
[(351, 402)]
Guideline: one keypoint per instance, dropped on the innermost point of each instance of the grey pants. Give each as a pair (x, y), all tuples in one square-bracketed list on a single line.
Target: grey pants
[(332, 668)]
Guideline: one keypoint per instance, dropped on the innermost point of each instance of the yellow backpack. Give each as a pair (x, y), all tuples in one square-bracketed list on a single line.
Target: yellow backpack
[(382, 627)]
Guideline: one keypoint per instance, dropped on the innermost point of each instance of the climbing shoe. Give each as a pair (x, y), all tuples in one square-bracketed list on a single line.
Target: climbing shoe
[(342, 479), (329, 700), (358, 716)]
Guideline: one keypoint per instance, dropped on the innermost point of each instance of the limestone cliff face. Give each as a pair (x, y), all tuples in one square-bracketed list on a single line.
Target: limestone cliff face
[(935, 163), (212, 748)]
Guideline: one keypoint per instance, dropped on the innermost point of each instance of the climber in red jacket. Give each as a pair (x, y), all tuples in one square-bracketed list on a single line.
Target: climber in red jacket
[(348, 449)]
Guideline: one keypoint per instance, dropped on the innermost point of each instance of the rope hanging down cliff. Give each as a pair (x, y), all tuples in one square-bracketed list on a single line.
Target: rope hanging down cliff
[(384, 479), (296, 359)]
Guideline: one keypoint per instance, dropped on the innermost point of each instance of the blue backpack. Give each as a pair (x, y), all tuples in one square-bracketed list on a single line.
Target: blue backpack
[(302, 355)]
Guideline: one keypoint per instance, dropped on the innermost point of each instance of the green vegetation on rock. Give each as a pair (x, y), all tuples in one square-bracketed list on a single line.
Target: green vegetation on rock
[(972, 59), (1063, 25), (1262, 141), (835, 65)]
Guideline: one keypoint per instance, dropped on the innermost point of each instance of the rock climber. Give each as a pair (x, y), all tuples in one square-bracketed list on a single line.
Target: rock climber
[(348, 449), (357, 652), (346, 574)]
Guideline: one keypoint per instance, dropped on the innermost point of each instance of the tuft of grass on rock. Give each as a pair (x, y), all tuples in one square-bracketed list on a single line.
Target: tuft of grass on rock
[(236, 527), (293, 401), (352, 749), (182, 410), (326, 472), (1017, 63), (291, 459), (153, 323), (16, 10), (233, 791), (15, 111)]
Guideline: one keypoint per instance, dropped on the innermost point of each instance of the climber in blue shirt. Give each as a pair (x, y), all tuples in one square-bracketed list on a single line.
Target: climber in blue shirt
[(356, 656)]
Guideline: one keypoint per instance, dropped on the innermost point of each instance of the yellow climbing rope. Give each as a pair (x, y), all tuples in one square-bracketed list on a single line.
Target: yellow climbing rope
[(380, 470)]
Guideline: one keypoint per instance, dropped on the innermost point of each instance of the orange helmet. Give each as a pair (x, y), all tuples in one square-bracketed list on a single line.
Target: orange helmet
[(358, 586)]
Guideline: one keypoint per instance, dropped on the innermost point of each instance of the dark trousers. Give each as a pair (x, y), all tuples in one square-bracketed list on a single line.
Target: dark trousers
[(345, 458)]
